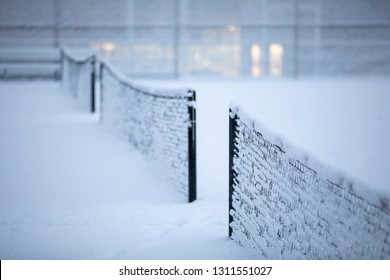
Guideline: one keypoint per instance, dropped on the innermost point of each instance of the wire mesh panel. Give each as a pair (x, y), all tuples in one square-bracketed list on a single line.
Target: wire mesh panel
[(78, 78), (286, 205), (160, 124)]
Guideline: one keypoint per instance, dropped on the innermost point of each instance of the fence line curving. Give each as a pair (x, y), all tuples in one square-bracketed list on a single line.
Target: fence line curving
[(284, 204)]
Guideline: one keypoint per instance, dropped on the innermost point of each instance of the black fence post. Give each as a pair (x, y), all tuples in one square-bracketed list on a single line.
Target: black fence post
[(62, 58), (101, 87), (232, 173), (192, 149), (93, 65)]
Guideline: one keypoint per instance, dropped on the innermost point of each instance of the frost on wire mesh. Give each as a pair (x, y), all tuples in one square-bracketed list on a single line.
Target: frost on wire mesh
[(155, 122), (77, 78), (286, 205)]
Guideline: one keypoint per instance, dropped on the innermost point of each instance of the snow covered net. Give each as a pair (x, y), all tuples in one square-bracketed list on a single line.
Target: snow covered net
[(78, 78), (160, 124), (286, 205)]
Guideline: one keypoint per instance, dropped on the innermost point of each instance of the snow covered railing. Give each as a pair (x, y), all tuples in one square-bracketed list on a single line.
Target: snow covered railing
[(284, 204), (78, 77), (159, 123)]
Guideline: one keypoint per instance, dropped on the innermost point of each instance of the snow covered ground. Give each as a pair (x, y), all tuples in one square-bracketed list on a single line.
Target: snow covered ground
[(71, 190)]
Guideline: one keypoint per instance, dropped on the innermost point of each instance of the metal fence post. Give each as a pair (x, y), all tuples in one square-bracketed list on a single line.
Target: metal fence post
[(62, 58), (192, 149), (296, 39), (101, 86), (232, 173), (93, 64)]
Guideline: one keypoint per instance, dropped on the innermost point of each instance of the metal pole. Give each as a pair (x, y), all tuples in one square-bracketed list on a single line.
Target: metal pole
[(192, 150), (176, 39), (317, 41), (232, 173), (101, 89), (93, 63), (56, 23), (296, 39), (62, 61)]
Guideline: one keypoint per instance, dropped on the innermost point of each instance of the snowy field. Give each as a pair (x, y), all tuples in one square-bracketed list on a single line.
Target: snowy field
[(71, 190)]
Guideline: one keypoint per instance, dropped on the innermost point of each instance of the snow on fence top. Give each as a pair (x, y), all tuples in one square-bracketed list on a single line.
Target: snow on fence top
[(159, 123), (78, 77), (284, 204)]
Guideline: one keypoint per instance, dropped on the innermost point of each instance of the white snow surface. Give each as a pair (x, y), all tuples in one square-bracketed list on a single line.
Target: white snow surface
[(71, 190)]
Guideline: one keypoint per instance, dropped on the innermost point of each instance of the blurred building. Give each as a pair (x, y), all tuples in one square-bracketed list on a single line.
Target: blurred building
[(258, 38)]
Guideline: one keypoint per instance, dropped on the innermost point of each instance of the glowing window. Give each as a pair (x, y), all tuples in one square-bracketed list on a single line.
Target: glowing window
[(276, 60), (256, 59)]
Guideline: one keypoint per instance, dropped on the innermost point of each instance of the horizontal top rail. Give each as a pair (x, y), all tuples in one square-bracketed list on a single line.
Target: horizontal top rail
[(172, 24), (29, 55)]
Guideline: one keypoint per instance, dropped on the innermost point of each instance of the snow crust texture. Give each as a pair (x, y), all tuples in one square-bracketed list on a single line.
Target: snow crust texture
[(286, 205), (156, 123), (78, 79)]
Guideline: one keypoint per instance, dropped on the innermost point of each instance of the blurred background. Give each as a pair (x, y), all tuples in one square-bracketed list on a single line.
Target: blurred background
[(179, 38)]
